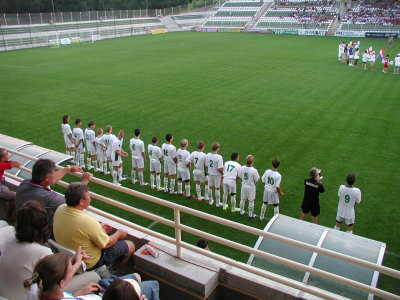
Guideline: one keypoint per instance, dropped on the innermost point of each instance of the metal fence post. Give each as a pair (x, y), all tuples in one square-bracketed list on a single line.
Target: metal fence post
[(178, 234), (41, 18)]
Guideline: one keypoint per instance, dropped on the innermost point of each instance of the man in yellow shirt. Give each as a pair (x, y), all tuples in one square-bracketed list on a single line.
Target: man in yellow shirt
[(74, 228)]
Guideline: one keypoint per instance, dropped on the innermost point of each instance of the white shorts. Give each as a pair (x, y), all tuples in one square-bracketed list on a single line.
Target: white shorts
[(199, 175), (155, 166), (348, 221), (184, 174), (229, 186), (351, 56), (138, 163), (68, 143), (248, 193), (214, 180), (101, 155), (271, 197), (116, 160), (91, 150), (108, 154), (80, 150), (169, 168)]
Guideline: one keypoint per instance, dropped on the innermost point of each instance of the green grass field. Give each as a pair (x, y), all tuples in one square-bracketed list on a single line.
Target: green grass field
[(266, 95)]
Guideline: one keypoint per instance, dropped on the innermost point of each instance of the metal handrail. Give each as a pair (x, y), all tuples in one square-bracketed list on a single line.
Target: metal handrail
[(179, 227)]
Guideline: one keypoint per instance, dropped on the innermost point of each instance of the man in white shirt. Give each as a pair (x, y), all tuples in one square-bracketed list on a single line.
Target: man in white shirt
[(68, 138), (249, 177), (215, 166), (155, 165), (90, 138), (77, 133), (199, 160), (138, 157), (349, 196), (272, 191), (108, 140), (170, 160), (397, 64), (117, 154), (184, 169), (232, 171)]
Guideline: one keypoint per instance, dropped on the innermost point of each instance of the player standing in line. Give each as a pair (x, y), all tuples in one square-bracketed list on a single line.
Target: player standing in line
[(250, 177), (372, 61), (138, 157), (117, 154), (155, 156), (199, 160), (90, 138), (77, 132), (396, 64), (312, 188), (170, 160), (108, 141), (386, 62), (215, 167), (349, 196), (184, 169), (272, 181), (101, 150), (232, 172), (68, 139), (365, 58)]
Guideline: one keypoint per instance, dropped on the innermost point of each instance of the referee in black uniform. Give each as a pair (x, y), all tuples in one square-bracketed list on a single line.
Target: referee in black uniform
[(312, 188)]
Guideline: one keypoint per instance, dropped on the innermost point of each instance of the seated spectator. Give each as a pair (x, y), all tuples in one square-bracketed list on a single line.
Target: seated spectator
[(38, 188), (51, 276), (20, 253), (5, 194), (203, 243), (84, 230)]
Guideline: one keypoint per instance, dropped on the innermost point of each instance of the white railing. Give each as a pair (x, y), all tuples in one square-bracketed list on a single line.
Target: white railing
[(176, 224)]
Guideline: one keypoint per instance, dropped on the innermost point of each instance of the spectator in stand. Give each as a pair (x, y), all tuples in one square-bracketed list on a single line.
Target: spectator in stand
[(5, 194), (84, 230), (38, 188), (132, 289), (21, 253), (203, 243)]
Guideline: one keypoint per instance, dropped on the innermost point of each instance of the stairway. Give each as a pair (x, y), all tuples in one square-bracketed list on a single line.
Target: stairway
[(260, 13), (170, 24)]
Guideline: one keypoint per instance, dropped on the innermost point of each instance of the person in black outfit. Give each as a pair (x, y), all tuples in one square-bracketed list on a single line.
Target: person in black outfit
[(312, 188)]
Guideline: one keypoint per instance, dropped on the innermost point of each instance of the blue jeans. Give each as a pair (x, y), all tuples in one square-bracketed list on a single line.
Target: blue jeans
[(150, 288)]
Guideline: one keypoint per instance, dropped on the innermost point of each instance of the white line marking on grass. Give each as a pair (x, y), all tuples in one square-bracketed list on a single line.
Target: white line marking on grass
[(12, 66), (152, 225)]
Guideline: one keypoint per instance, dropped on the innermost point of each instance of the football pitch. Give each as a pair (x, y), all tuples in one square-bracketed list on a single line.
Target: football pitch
[(267, 95)]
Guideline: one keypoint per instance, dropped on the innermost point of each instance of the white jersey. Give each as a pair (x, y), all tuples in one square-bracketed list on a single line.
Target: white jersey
[(249, 176), (99, 143), (116, 146), (397, 61), (108, 140), (66, 130), (77, 133), (90, 138), (272, 180), (154, 153), (232, 170), (365, 57), (182, 155), (348, 197), (198, 159), (137, 148), (357, 55), (372, 58), (168, 152), (214, 162)]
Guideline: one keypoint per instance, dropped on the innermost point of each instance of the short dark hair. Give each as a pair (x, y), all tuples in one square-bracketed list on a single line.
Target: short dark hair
[(234, 156), (202, 243), (276, 162), (201, 145), (120, 290), (168, 137), (91, 123), (32, 223), (42, 168), (137, 131), (75, 192), (77, 121), (154, 139), (3, 152), (351, 178), (65, 118)]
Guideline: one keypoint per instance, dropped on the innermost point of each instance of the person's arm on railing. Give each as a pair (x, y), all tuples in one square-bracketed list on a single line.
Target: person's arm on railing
[(118, 235)]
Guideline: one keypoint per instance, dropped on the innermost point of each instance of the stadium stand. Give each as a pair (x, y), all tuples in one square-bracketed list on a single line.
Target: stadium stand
[(369, 16)]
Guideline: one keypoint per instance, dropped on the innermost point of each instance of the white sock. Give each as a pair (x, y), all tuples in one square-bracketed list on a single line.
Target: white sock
[(89, 162), (115, 175), (233, 201), (242, 203), (158, 181), (95, 164), (152, 180), (336, 228), (206, 192), (67, 152), (179, 187), (349, 231), (141, 179), (111, 166), (172, 185), (120, 173), (73, 154), (210, 194), (198, 191), (187, 189), (276, 210), (224, 198), (217, 196), (133, 175), (105, 166), (251, 208), (81, 160), (101, 166), (263, 209), (165, 184)]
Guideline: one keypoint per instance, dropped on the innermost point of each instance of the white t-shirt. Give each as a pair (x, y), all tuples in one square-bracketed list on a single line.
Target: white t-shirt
[(372, 57), (214, 162), (90, 138), (66, 130), (34, 295), (357, 54), (154, 152), (182, 155), (108, 140), (397, 61), (137, 148), (77, 133), (232, 170), (198, 159), (348, 197), (168, 152), (117, 146), (271, 179), (365, 57), (17, 262), (249, 176)]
